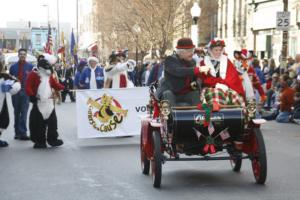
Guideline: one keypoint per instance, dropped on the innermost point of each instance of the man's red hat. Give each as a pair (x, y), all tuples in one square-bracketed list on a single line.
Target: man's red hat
[(185, 43)]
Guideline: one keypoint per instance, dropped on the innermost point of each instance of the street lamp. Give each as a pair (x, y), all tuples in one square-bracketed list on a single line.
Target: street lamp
[(137, 29), (195, 12), (48, 18)]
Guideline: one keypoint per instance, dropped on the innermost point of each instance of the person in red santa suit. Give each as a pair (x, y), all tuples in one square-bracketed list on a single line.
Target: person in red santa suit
[(39, 87), (116, 72), (222, 74)]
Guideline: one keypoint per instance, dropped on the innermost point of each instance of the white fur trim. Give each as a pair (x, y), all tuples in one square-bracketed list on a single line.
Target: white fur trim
[(223, 66), (45, 102), (16, 87), (50, 58)]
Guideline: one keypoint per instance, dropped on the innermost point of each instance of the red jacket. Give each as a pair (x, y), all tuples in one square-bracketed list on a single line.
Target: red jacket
[(286, 99), (232, 79), (33, 81)]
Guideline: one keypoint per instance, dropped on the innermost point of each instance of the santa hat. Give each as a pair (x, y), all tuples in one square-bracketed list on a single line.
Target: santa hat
[(185, 43), (93, 58), (246, 54)]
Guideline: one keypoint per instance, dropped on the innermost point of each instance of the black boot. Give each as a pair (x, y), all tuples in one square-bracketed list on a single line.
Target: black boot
[(39, 146), (56, 143)]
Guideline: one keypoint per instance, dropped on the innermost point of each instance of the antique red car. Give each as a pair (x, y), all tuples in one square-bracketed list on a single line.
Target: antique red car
[(191, 139)]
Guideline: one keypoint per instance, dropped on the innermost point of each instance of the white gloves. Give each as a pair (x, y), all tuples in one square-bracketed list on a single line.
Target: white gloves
[(131, 64), (204, 69), (221, 86)]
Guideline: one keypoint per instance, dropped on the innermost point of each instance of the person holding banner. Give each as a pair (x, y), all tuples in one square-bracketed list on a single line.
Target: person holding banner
[(92, 77)]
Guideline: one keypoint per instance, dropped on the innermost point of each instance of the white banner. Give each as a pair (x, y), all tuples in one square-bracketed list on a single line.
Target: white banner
[(110, 112)]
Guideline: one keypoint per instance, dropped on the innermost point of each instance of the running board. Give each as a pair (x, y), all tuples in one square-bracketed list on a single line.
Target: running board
[(204, 158)]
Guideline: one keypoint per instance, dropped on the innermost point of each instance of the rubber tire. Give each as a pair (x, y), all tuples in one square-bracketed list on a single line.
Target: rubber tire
[(260, 157), (156, 163), (145, 163)]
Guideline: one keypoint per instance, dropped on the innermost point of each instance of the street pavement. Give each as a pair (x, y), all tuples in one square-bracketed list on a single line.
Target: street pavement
[(95, 169)]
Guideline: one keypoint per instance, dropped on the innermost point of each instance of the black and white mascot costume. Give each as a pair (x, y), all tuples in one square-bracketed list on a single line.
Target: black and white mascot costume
[(10, 85), (40, 87)]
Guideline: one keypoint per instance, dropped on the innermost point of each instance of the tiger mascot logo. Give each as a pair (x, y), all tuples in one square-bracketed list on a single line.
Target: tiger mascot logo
[(105, 113)]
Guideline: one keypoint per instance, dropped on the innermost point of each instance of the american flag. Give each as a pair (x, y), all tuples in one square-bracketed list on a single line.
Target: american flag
[(224, 134), (211, 128), (198, 133), (49, 44)]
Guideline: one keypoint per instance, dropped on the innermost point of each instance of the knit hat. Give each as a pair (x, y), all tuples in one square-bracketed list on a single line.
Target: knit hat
[(185, 43)]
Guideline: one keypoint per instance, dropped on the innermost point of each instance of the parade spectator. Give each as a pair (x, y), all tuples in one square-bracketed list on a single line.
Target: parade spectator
[(275, 86), (146, 74), (82, 64), (296, 109), (20, 100), (272, 67), (265, 69), (290, 62), (293, 70), (156, 72), (67, 82), (92, 77), (259, 72), (286, 100)]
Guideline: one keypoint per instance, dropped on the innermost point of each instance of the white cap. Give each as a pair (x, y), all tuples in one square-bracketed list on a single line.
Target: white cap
[(92, 58)]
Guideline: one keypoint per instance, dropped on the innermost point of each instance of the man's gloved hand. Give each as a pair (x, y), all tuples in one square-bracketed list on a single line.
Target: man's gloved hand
[(204, 69), (6, 87), (33, 99), (221, 86)]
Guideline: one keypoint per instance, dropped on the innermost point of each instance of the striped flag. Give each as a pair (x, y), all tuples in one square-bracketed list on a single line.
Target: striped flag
[(198, 133), (224, 134), (211, 128), (49, 44)]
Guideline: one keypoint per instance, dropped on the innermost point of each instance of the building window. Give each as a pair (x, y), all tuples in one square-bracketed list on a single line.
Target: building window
[(38, 39)]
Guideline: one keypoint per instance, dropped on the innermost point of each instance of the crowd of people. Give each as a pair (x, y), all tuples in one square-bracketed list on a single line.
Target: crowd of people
[(207, 72)]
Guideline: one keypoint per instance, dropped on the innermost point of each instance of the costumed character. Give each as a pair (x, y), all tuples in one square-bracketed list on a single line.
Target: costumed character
[(222, 82), (116, 72), (8, 84), (39, 87), (250, 79)]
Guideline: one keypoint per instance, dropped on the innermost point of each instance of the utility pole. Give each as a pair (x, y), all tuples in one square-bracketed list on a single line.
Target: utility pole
[(285, 39), (77, 22), (58, 29)]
